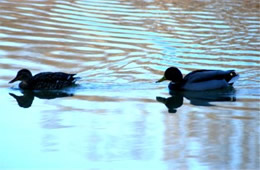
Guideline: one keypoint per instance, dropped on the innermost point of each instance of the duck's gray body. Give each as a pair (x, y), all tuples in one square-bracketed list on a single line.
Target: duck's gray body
[(205, 80)]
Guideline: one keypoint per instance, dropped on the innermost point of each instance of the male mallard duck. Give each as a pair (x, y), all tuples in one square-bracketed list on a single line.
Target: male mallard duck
[(199, 79), (44, 81)]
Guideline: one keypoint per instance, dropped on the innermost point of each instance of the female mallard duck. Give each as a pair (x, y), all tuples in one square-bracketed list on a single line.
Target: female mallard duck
[(44, 81), (199, 79)]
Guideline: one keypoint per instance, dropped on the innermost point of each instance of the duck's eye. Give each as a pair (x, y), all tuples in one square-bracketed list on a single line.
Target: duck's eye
[(231, 74)]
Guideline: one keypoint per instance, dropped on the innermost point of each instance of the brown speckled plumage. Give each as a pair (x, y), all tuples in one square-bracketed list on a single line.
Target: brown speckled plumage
[(44, 81)]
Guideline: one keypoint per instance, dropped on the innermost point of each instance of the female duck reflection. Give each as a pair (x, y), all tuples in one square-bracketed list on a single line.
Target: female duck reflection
[(27, 98), (200, 87)]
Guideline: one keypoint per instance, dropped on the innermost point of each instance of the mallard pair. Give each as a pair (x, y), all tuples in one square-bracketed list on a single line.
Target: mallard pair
[(194, 81)]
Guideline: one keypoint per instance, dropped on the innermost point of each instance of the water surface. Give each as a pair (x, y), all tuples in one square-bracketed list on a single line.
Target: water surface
[(118, 116)]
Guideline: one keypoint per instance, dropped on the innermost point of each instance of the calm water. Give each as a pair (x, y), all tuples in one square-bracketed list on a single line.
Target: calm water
[(118, 117)]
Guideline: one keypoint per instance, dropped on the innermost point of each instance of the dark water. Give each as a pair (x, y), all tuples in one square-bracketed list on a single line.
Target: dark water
[(118, 116)]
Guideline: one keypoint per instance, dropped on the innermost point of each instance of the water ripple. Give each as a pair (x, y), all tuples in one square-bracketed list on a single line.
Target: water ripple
[(120, 38), (119, 49)]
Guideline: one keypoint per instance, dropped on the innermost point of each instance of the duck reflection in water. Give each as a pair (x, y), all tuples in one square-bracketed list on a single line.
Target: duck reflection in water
[(27, 98), (197, 98)]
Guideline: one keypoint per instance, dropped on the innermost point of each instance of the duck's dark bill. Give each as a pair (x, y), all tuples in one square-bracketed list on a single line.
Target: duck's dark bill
[(162, 79), (15, 79)]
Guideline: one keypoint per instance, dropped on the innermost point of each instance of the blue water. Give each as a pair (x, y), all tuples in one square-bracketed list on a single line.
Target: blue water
[(117, 117)]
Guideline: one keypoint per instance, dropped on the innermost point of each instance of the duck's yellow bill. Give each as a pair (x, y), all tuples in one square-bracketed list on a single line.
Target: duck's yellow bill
[(162, 79)]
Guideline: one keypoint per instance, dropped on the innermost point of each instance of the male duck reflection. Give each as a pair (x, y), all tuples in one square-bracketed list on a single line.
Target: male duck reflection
[(44, 81), (197, 98), (199, 80)]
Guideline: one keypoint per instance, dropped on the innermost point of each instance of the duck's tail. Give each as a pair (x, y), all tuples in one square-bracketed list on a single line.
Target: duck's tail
[(75, 78)]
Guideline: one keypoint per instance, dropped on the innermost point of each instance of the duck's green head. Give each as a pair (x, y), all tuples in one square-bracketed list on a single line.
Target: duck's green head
[(172, 74), (22, 75)]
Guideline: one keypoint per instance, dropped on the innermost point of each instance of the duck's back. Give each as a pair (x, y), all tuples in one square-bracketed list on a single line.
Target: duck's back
[(205, 75), (208, 79), (52, 80)]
